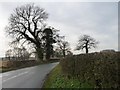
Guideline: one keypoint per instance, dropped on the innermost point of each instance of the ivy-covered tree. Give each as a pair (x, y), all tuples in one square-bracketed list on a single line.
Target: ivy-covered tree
[(49, 40)]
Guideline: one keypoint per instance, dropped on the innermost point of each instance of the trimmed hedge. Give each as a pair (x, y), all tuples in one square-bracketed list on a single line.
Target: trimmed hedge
[(98, 69)]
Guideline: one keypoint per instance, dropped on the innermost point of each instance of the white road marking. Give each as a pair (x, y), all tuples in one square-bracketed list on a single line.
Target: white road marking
[(5, 74), (14, 76)]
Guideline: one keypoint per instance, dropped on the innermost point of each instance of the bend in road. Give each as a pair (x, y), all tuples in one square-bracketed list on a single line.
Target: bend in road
[(32, 77)]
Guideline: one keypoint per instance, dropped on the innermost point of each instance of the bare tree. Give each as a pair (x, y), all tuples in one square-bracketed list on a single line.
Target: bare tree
[(86, 42), (63, 45), (26, 24), (8, 54), (25, 54), (58, 52)]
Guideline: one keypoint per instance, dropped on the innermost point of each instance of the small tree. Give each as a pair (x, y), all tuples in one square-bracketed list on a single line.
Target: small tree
[(86, 42), (8, 54), (63, 45), (25, 54), (58, 52)]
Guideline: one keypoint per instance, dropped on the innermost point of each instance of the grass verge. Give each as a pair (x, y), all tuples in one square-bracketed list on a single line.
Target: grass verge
[(56, 79)]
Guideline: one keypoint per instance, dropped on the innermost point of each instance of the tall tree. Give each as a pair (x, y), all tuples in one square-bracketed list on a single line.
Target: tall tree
[(86, 42), (26, 24), (49, 40)]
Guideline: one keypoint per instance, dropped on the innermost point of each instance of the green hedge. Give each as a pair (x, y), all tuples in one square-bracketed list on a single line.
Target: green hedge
[(98, 69)]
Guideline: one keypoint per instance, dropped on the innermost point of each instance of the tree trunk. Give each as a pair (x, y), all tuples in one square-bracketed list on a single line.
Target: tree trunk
[(39, 54), (86, 49), (48, 51), (63, 53), (48, 54)]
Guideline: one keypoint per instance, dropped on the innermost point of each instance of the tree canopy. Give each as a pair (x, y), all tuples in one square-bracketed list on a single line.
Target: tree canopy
[(26, 24)]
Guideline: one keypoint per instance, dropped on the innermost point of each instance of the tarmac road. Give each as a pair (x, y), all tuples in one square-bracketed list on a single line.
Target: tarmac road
[(32, 77)]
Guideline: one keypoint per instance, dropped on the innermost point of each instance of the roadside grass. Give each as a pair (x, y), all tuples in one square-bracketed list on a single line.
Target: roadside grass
[(56, 79)]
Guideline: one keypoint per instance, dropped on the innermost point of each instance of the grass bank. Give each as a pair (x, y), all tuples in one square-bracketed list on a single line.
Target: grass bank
[(56, 79)]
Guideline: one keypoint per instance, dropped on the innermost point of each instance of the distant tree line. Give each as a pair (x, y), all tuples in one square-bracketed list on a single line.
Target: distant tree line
[(17, 54)]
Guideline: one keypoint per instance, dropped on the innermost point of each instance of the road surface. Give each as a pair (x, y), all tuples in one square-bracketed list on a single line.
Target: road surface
[(32, 77)]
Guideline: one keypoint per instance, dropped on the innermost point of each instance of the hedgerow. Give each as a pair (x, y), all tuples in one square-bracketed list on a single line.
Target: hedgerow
[(99, 69)]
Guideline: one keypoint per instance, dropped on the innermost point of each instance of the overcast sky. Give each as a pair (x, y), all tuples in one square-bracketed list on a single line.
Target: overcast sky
[(97, 19)]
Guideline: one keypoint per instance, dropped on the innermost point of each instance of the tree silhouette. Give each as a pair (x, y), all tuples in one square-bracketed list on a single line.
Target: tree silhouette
[(26, 24), (86, 42), (49, 40)]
